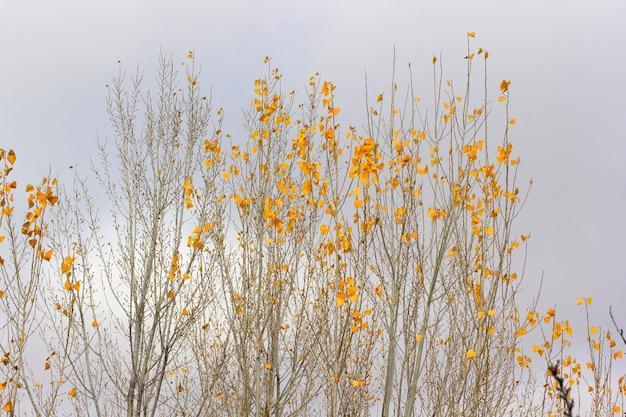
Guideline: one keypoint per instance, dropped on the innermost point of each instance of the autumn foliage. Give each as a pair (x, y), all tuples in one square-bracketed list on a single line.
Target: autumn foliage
[(309, 268)]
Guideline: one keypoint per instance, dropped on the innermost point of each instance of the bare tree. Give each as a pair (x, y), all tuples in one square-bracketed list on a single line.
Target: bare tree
[(153, 283)]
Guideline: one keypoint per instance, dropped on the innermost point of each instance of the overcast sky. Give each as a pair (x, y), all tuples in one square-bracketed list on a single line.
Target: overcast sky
[(566, 61)]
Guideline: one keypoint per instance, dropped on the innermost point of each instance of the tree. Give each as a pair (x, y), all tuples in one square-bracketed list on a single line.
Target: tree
[(306, 269), (148, 288), (25, 251)]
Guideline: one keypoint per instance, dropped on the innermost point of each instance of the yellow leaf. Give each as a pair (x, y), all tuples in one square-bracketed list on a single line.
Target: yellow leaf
[(11, 158), (341, 299), (8, 407), (446, 118), (470, 354), (589, 300), (501, 99), (67, 286), (593, 330), (617, 354), (481, 314), (268, 365), (67, 264), (380, 97), (72, 392), (185, 312), (3, 385), (471, 34), (46, 366), (434, 59), (29, 188), (617, 409), (567, 328), (52, 199), (94, 323), (579, 301), (512, 121), (418, 338), (489, 230), (491, 313), (47, 255)]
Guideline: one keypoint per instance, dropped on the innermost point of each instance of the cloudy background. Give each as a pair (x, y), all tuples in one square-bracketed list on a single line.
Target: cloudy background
[(566, 61)]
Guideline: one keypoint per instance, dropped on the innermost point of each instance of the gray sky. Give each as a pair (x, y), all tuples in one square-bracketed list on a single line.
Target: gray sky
[(565, 60)]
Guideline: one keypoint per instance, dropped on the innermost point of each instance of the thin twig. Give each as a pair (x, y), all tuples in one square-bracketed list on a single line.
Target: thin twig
[(620, 331), (563, 392)]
